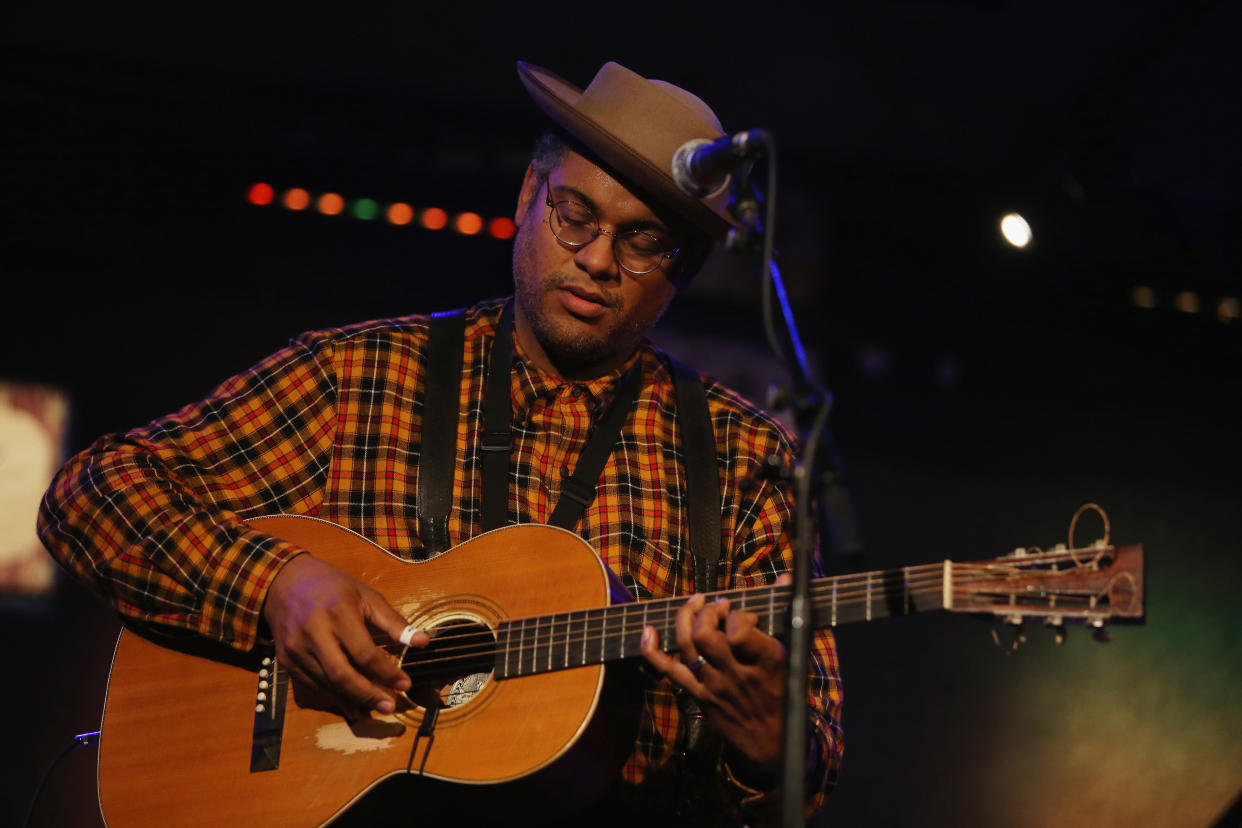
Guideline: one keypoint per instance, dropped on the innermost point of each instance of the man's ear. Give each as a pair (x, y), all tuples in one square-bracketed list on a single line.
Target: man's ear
[(530, 190)]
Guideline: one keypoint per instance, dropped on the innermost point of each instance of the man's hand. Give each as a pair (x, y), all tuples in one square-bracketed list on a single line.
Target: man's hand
[(737, 674), (322, 620)]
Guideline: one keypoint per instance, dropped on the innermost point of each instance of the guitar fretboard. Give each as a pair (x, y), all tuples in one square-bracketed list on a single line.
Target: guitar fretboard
[(525, 646)]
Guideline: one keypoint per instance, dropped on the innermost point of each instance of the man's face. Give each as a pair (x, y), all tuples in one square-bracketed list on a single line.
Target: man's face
[(578, 312)]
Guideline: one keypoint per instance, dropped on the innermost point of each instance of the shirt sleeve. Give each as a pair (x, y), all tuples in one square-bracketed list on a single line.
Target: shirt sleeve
[(154, 518), (763, 549)]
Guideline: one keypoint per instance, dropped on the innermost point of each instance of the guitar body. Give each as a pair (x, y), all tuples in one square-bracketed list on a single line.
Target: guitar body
[(180, 717)]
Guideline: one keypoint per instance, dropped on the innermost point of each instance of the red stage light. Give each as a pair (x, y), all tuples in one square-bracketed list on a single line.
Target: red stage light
[(501, 228), (434, 218), (260, 194)]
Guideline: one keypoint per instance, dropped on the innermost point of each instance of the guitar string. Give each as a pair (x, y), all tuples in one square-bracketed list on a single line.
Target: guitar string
[(822, 590), (556, 632), (654, 607), (852, 588), (546, 631)]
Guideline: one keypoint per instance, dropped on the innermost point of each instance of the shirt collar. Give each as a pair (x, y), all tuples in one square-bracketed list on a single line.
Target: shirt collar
[(530, 384)]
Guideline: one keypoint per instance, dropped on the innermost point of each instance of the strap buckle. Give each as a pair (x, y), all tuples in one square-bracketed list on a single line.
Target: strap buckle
[(497, 441), (577, 491)]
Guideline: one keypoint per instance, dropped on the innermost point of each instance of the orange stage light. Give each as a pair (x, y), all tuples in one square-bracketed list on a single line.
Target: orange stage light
[(331, 204), (400, 213), (434, 218), (468, 224), (296, 198)]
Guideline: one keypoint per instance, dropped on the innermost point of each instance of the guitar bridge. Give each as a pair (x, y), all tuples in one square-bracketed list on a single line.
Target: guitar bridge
[(271, 690)]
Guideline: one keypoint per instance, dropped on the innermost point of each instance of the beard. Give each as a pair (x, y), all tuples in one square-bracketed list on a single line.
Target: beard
[(567, 341), (574, 346)]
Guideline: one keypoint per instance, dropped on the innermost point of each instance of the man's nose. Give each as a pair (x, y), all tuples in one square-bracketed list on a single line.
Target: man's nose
[(597, 258)]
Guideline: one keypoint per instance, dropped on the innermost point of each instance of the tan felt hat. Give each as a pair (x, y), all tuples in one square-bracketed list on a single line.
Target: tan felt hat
[(635, 125)]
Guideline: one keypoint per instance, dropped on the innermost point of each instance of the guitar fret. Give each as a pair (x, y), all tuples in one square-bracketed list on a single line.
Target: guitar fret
[(602, 637), (586, 618), (905, 586), (552, 628), (868, 596), (666, 634), (502, 639), (834, 602), (771, 608), (534, 650), (644, 626), (625, 611), (532, 647), (521, 645)]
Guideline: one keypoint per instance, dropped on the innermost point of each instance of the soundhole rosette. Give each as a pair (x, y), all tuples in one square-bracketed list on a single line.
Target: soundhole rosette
[(454, 671)]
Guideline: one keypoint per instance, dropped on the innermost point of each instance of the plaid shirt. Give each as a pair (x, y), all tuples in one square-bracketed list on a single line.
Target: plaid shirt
[(330, 426)]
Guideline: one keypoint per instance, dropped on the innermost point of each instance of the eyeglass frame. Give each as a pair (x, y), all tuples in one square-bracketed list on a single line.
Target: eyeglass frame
[(554, 215)]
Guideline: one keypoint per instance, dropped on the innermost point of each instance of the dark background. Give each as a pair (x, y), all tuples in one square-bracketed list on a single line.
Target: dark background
[(983, 393)]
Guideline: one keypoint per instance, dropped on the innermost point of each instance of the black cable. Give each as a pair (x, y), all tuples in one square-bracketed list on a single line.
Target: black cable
[(82, 740)]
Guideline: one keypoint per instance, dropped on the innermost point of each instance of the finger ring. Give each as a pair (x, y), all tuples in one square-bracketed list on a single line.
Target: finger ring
[(697, 665)]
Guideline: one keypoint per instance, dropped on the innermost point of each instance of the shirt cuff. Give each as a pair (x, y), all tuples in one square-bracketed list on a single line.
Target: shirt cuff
[(232, 610)]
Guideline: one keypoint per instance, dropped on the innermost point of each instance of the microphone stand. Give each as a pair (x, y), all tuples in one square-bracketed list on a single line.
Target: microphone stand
[(816, 475)]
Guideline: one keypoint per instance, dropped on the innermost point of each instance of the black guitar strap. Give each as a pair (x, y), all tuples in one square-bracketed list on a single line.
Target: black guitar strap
[(438, 452), (698, 443), (578, 490), (497, 441), (441, 407)]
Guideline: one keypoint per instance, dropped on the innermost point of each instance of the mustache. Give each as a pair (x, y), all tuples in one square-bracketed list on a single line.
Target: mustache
[(563, 280)]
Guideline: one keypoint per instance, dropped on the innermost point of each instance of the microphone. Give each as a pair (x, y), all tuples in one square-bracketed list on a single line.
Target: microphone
[(702, 168)]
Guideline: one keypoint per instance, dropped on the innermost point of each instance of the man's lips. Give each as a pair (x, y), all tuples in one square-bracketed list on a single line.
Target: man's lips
[(583, 303)]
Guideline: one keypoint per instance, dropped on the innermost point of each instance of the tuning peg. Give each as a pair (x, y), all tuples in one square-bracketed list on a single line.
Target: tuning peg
[(1098, 632), (1058, 628), (1019, 635)]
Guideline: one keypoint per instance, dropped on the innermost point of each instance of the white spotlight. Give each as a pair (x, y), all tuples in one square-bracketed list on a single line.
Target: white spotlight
[(1015, 230)]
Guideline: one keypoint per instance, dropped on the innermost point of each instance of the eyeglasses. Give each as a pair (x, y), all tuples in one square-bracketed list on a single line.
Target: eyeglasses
[(575, 225)]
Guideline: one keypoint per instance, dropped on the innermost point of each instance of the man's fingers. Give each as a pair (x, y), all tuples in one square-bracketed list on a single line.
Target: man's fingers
[(335, 653), (680, 670), (380, 615), (350, 672)]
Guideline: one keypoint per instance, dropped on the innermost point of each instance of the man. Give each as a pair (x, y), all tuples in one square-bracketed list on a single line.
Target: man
[(331, 426)]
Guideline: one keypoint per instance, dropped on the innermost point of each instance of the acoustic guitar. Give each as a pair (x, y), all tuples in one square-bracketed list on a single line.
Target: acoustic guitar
[(505, 698)]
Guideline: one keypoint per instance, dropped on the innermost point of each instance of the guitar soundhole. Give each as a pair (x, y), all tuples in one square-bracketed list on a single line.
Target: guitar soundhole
[(454, 667)]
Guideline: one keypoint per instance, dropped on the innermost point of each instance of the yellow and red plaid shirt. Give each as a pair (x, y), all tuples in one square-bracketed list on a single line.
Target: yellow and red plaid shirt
[(330, 426)]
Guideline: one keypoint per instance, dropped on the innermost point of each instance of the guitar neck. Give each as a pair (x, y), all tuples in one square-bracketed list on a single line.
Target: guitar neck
[(1087, 586), (526, 646)]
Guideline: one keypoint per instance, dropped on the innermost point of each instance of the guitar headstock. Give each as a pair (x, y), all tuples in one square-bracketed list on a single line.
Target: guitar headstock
[(1093, 586)]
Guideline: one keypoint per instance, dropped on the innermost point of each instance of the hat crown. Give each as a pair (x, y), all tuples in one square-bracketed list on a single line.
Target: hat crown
[(692, 102), (635, 126)]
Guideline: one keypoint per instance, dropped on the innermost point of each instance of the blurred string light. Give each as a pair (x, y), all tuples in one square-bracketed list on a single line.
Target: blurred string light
[(1186, 301), (397, 213), (1015, 230), (1227, 308)]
